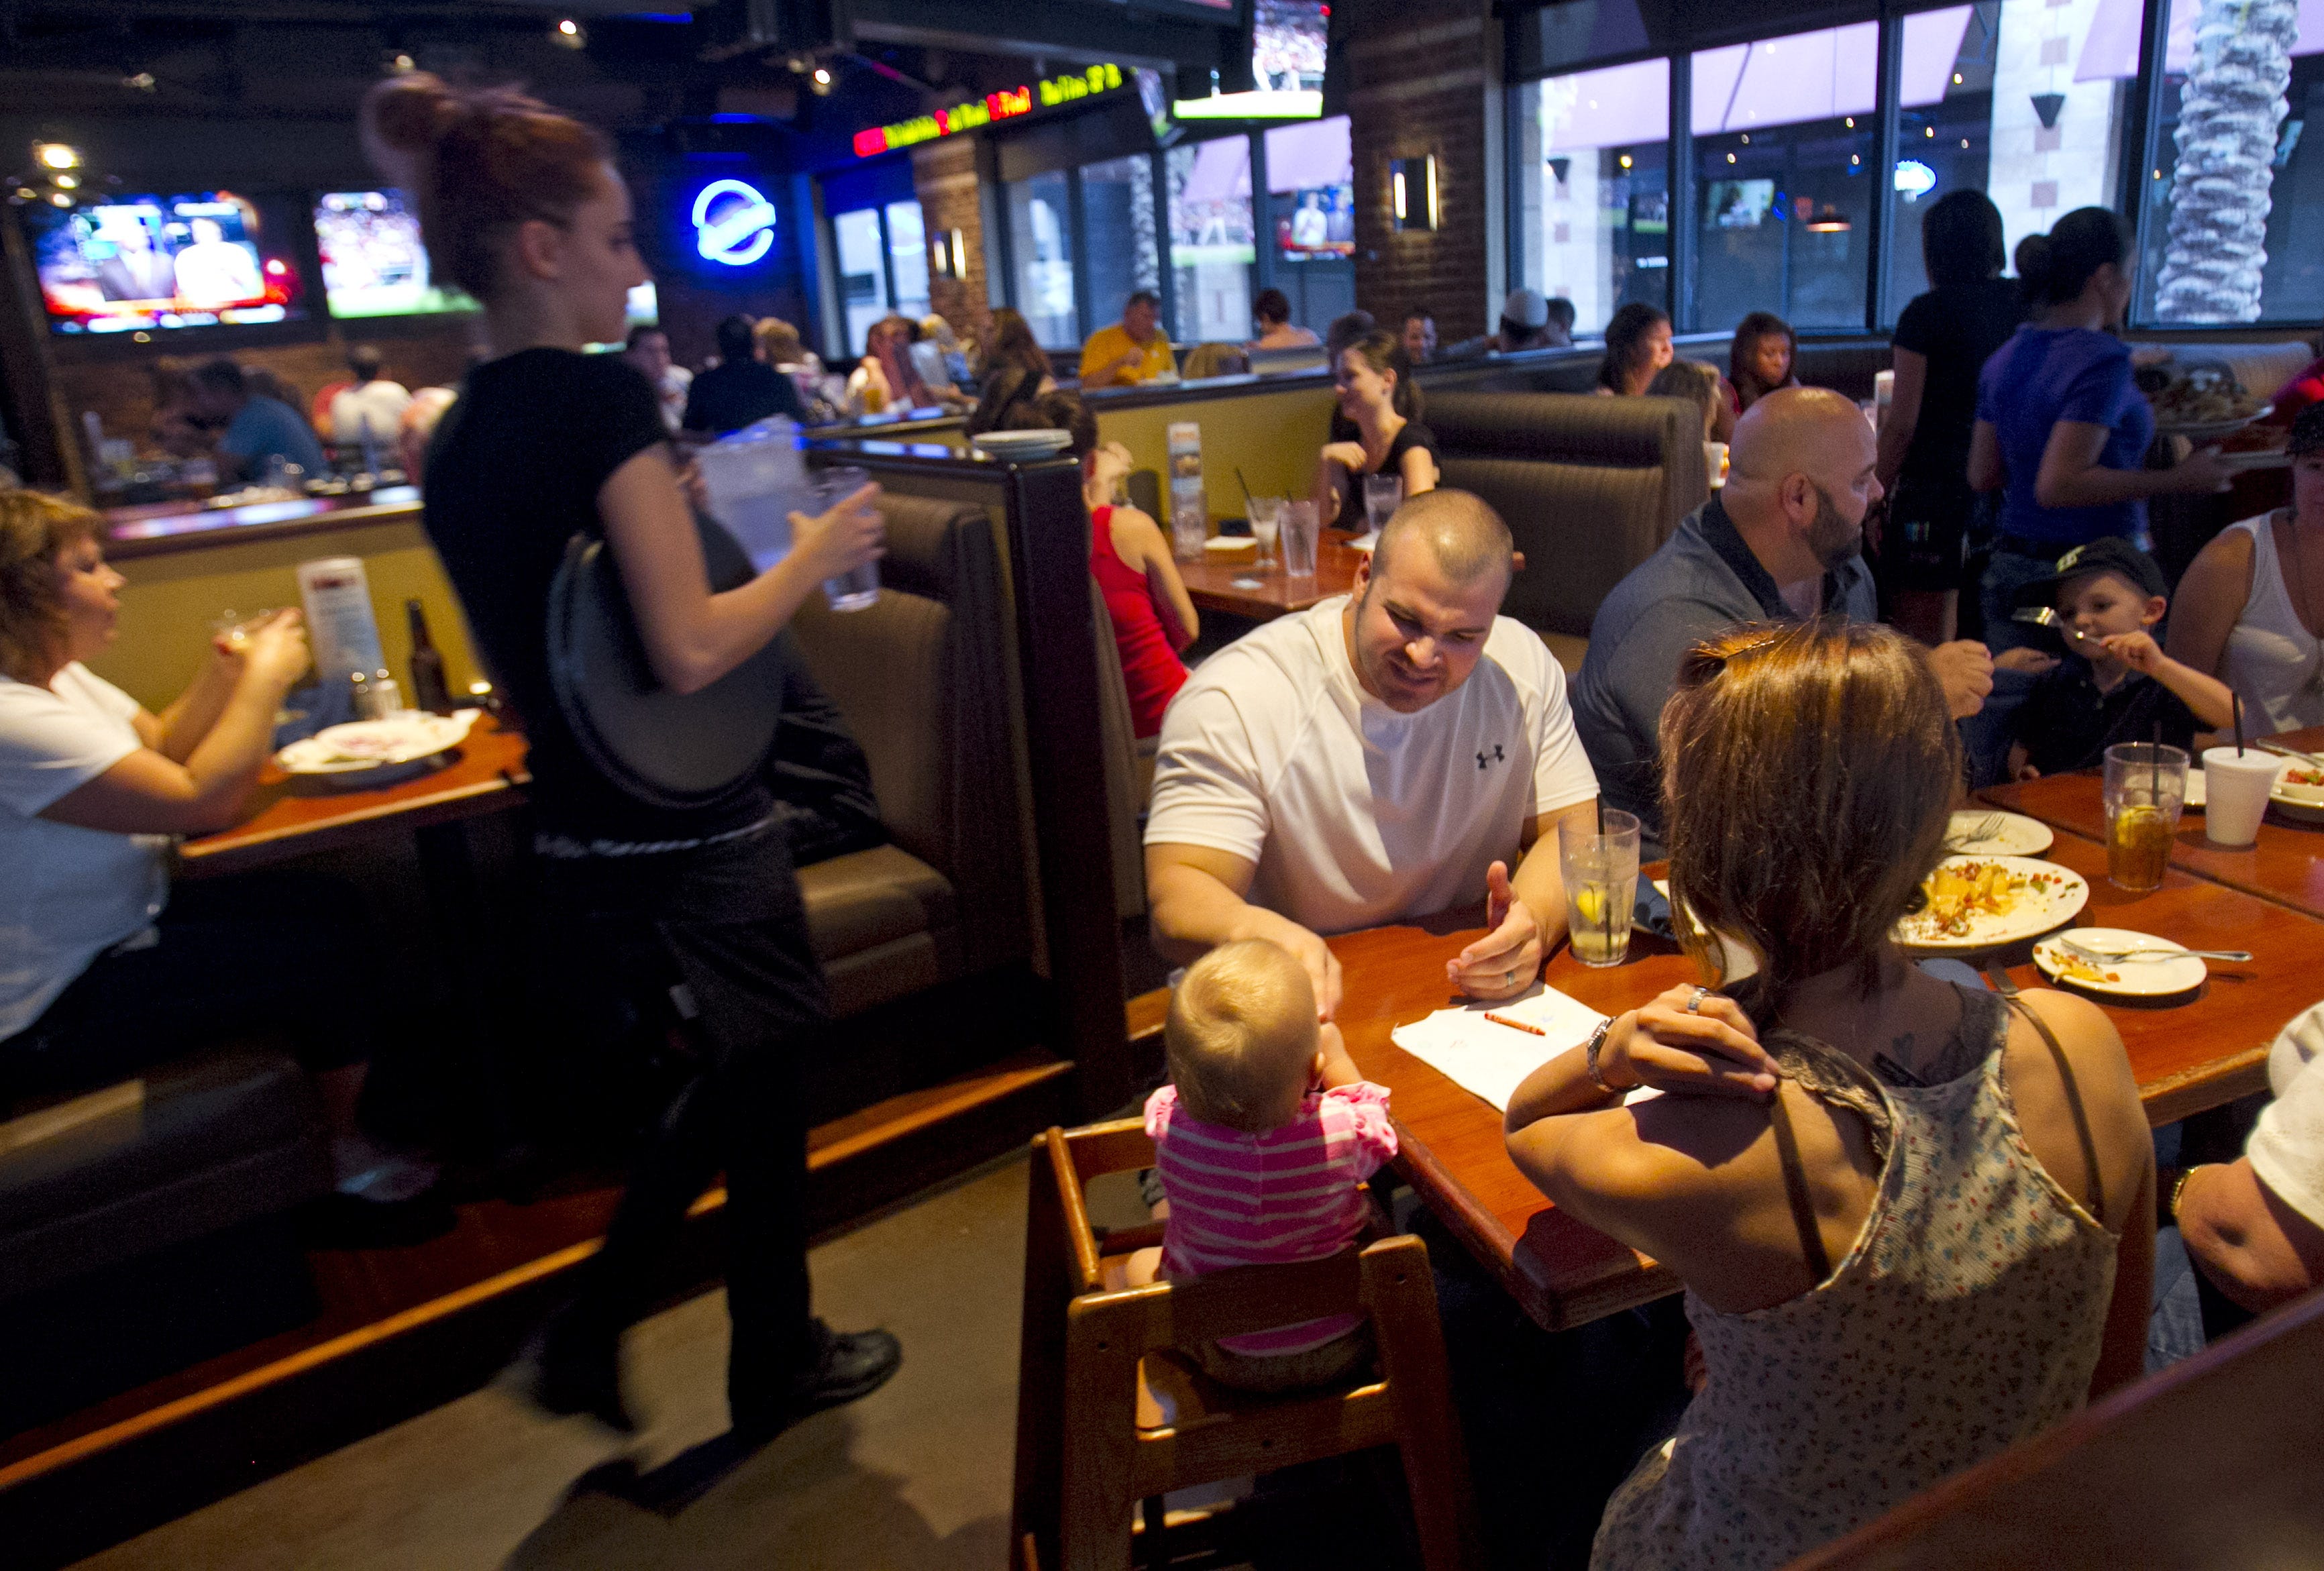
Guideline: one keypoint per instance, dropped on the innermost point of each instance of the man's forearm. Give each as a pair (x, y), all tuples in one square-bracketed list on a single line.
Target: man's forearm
[(1539, 884), (2235, 1237), (1192, 912)]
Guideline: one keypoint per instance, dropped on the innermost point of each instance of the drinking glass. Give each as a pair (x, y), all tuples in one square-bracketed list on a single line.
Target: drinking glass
[(1601, 884), (2145, 786), (1266, 518), (1297, 523), (1383, 494), (855, 590), (236, 627)]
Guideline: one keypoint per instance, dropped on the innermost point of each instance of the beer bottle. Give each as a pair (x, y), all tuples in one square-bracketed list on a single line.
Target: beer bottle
[(430, 690)]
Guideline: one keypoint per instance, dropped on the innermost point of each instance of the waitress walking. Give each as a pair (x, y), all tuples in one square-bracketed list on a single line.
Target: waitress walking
[(522, 207)]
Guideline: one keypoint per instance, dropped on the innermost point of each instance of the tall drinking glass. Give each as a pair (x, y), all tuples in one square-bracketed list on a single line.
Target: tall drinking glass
[(851, 590), (1266, 518), (1298, 527), (1601, 884), (1383, 494), (2145, 786)]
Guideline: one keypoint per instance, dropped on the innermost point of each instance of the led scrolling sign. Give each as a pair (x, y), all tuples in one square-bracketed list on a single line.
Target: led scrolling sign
[(1005, 105)]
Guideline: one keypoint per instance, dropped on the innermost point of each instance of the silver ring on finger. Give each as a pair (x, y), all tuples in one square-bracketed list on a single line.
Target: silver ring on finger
[(1694, 1003)]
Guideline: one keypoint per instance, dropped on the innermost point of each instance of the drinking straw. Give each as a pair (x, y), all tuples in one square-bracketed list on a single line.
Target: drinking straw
[(2155, 768), (2236, 700), (1244, 483)]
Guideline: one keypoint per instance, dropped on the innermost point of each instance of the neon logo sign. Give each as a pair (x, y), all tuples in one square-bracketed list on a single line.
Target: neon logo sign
[(737, 230)]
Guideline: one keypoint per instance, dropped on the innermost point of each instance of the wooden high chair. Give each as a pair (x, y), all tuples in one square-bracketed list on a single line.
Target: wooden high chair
[(1086, 1456)]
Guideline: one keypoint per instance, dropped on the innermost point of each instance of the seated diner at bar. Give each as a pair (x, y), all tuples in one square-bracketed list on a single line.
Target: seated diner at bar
[(899, 792)]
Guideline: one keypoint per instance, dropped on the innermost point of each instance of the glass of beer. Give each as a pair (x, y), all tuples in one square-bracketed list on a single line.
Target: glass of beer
[(1598, 859), (2146, 787)]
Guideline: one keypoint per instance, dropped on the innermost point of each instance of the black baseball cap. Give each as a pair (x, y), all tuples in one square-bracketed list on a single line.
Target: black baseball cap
[(2111, 553)]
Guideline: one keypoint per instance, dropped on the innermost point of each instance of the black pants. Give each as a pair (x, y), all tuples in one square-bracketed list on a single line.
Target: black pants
[(725, 921), (262, 954)]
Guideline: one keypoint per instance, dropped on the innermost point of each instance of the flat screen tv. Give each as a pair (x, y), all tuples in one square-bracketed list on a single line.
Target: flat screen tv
[(123, 264), (373, 264)]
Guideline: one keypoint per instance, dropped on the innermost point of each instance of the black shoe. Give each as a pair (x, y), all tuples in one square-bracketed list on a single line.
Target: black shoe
[(848, 1366), (568, 1367)]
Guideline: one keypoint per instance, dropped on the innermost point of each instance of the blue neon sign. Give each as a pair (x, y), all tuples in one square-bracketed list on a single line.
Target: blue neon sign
[(733, 223)]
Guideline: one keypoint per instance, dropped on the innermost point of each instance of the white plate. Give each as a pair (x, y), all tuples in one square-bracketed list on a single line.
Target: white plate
[(365, 745), (2047, 895), (1023, 443), (2135, 979), (2211, 430), (2013, 834)]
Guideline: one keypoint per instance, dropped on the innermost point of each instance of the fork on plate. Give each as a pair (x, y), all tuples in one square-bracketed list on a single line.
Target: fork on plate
[(2113, 957)]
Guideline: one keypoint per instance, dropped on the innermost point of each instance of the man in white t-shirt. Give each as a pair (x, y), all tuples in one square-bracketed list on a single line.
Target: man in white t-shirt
[(370, 408), (1388, 754), (2253, 1229)]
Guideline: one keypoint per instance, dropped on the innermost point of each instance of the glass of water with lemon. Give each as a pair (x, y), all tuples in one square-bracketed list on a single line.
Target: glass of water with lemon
[(1599, 857)]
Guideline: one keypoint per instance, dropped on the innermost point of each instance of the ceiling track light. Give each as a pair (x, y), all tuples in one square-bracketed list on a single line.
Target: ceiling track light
[(568, 33)]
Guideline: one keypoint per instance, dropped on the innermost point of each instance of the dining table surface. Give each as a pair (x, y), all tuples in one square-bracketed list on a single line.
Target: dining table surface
[(293, 815), (1264, 593), (2286, 864), (2195, 1053)]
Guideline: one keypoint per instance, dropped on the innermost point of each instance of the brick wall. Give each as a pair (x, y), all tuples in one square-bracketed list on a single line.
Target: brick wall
[(944, 177), (121, 389), (1416, 86)]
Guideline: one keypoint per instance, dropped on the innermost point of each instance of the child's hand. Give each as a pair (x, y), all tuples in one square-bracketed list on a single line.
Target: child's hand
[(2139, 651), (2032, 662), (2026, 772), (1333, 1066)]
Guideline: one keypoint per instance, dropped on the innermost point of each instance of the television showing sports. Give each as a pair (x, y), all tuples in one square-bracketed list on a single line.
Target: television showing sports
[(134, 263), (373, 264)]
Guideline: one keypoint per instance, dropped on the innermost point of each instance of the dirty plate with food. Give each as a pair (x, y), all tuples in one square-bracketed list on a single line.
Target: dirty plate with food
[(1995, 833), (2122, 977), (1986, 903)]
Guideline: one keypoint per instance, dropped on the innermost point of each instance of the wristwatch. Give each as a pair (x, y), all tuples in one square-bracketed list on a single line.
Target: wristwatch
[(1590, 1055)]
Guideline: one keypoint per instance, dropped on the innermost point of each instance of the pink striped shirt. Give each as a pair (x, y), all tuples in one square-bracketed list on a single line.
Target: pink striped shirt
[(1287, 1194)]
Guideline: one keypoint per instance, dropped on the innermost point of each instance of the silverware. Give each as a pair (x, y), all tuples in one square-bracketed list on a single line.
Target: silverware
[(1985, 829), (1999, 977), (2267, 746), (2047, 617), (2113, 957)]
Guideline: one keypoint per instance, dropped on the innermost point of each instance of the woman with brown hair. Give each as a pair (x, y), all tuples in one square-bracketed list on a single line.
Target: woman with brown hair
[(522, 207), (1381, 402), (1915, 1220), (1762, 358), (1016, 376), (1637, 347), (103, 969)]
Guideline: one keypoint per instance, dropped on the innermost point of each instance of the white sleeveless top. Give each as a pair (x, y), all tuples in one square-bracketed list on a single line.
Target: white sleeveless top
[(2273, 662)]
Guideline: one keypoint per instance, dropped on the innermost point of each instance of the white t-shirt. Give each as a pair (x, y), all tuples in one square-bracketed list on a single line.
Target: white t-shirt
[(1354, 813), (2287, 1145), (381, 403), (67, 894)]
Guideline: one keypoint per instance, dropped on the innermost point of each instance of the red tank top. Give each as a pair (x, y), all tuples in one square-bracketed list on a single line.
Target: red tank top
[(1148, 664)]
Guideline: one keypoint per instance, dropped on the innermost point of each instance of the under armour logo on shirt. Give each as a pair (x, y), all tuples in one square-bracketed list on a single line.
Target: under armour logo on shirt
[(1486, 761)]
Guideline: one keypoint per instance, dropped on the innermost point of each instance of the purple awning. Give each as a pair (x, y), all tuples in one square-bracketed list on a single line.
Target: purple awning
[(1305, 158), (1617, 106), (1221, 171), (2110, 50), (1783, 81)]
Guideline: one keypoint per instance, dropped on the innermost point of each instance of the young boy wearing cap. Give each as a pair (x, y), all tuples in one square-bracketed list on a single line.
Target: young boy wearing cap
[(2116, 684)]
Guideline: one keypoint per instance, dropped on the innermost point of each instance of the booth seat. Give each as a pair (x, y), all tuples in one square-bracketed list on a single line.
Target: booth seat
[(921, 677), (1588, 486)]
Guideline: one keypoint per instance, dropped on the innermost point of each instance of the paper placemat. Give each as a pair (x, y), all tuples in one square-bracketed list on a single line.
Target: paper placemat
[(1491, 1059)]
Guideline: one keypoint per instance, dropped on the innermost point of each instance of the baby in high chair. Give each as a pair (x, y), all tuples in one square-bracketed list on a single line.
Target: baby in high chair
[(1261, 1141)]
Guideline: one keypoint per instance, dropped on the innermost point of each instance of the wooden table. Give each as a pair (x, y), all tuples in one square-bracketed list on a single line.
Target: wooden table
[(2186, 1057), (1262, 594), (2286, 864), (293, 816)]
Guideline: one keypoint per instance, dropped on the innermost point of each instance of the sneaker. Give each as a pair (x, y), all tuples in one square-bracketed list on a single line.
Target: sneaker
[(848, 1366), (565, 1369)]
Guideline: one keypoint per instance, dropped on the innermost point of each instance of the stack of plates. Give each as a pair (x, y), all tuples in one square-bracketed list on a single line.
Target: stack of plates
[(1022, 446)]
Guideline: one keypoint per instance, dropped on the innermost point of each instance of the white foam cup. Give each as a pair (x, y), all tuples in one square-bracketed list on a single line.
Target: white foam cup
[(2236, 787)]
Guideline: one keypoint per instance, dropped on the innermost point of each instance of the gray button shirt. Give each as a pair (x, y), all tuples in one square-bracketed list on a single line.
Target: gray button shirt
[(1703, 581)]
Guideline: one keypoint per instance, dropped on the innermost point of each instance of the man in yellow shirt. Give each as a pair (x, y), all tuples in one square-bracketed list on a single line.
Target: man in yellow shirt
[(1132, 351)]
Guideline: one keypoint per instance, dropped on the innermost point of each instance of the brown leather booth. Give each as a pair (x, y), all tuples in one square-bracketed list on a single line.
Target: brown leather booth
[(923, 678), (1588, 486)]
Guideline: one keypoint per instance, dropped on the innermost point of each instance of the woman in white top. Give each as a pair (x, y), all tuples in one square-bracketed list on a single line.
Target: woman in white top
[(101, 973), (2250, 609)]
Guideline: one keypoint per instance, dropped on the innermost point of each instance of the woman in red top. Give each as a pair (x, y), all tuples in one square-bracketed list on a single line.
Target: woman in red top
[(1153, 615)]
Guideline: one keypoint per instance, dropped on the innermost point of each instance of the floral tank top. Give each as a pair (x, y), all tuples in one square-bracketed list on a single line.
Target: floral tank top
[(1967, 1317)]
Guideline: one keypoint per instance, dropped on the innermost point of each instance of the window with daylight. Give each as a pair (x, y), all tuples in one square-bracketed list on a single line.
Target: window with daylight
[(2235, 229), (1041, 243), (1594, 196), (1210, 240), (907, 258), (1118, 233), (863, 278), (2022, 99), (1784, 147)]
